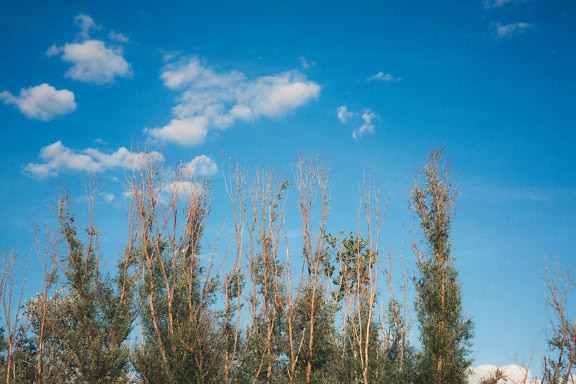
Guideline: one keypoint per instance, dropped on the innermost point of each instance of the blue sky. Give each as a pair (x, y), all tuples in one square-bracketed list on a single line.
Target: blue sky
[(370, 86)]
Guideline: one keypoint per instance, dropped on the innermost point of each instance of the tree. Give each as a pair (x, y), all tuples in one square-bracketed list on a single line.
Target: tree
[(166, 224), (445, 334), (560, 364)]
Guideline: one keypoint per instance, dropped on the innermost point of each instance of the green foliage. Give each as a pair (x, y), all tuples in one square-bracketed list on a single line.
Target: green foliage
[(85, 324), (346, 262), (445, 334), (494, 378), (325, 351)]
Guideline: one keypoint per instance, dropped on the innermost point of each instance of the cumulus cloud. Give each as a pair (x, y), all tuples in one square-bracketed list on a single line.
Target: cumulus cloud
[(200, 166), (506, 31), (511, 374), (42, 102), (381, 76), (216, 100), (57, 158), (367, 117), (344, 114), (93, 61)]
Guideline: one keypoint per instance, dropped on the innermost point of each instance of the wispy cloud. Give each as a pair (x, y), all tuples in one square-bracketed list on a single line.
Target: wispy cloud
[(57, 158), (500, 3), (42, 102), (214, 100), (381, 76), (367, 127), (344, 114), (85, 23), (305, 63), (93, 61), (507, 31), (367, 116)]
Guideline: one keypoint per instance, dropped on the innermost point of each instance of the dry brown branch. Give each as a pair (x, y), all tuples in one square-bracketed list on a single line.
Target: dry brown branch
[(11, 299)]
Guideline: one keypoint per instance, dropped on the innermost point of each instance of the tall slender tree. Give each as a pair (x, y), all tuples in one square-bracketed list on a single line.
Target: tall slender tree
[(560, 362), (445, 333)]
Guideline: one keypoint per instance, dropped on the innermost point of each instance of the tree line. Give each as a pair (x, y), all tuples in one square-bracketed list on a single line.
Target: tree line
[(172, 312)]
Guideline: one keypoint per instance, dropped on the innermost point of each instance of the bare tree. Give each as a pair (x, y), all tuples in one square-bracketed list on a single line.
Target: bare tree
[(312, 181), (11, 294), (168, 217), (560, 364)]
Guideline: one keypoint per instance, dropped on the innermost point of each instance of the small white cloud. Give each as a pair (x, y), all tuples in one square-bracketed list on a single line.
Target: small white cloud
[(344, 114), (57, 158), (275, 96), (507, 31), (367, 127), (200, 166), (189, 132), (174, 76), (213, 100), (85, 23), (53, 50), (180, 189), (119, 37), (367, 117), (499, 3), (305, 63), (107, 196), (42, 102), (93, 62), (510, 374), (381, 76)]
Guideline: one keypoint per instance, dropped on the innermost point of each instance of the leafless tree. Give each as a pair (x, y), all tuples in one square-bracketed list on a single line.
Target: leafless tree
[(559, 365)]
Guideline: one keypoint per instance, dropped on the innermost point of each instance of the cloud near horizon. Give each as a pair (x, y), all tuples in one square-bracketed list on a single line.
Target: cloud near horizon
[(57, 158), (511, 374), (211, 100), (93, 61), (42, 102)]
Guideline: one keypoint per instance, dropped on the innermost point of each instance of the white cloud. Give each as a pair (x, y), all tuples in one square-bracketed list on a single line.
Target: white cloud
[(200, 166), (42, 102), (344, 114), (107, 196), (305, 63), (190, 131), (214, 100), (381, 76), (179, 189), (119, 37), (367, 127), (507, 31), (367, 116), (512, 374), (499, 3), (86, 23), (57, 158), (93, 61)]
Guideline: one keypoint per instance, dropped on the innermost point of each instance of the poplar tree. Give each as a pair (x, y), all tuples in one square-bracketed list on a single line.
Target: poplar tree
[(445, 334)]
